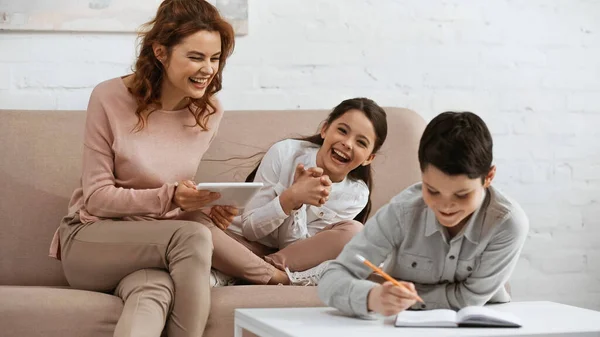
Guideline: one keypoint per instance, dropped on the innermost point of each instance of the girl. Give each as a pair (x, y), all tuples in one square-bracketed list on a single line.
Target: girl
[(453, 238), (145, 134), (313, 189)]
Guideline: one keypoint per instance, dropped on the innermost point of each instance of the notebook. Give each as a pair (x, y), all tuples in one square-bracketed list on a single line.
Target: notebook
[(467, 317)]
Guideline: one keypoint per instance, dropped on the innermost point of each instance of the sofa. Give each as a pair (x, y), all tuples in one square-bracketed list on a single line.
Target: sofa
[(40, 167)]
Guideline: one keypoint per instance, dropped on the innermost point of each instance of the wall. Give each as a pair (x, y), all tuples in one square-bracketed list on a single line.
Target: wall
[(529, 68)]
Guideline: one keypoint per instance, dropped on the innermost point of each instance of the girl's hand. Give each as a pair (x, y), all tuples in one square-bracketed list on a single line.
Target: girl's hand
[(188, 198), (222, 216), (388, 299), (311, 172), (310, 187)]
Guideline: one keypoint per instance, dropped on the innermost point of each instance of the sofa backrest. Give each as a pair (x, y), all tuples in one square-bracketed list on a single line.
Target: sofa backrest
[(41, 163)]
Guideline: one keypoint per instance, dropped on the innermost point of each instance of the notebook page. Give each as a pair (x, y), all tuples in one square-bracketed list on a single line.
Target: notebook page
[(486, 316), (432, 318)]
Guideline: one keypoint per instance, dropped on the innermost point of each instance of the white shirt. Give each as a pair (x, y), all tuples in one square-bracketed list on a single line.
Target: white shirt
[(264, 220)]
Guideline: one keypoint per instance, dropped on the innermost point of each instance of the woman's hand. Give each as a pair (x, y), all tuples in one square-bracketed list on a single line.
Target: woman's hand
[(222, 216), (310, 187), (188, 198), (388, 299)]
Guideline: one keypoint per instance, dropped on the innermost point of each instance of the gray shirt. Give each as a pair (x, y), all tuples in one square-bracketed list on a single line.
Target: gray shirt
[(469, 269)]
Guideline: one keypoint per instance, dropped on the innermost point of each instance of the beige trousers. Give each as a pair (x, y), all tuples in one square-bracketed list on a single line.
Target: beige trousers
[(256, 263), (159, 268)]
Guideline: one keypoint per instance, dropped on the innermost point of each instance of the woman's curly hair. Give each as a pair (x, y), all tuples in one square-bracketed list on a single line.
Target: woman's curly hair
[(174, 21)]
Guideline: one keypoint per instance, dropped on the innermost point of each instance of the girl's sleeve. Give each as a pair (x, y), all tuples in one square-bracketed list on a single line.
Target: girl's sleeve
[(264, 213), (101, 197), (356, 204)]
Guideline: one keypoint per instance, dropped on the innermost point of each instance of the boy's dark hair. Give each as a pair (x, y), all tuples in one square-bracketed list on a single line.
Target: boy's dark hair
[(457, 143), (378, 117)]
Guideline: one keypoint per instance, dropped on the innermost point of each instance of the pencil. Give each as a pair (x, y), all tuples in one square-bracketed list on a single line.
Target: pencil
[(386, 276)]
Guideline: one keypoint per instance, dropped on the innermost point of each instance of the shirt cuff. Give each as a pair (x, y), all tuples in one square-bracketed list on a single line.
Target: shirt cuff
[(170, 200), (278, 209), (359, 296), (261, 221)]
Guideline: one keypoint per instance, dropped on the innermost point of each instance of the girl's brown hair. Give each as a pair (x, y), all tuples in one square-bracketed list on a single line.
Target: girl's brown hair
[(174, 21)]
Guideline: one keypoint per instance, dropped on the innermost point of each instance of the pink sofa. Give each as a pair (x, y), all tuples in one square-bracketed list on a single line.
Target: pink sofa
[(40, 167)]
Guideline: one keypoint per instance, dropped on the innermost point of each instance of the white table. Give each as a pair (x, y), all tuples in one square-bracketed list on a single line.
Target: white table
[(537, 318)]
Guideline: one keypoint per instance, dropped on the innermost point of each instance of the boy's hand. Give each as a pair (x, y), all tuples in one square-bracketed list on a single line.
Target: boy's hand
[(388, 299)]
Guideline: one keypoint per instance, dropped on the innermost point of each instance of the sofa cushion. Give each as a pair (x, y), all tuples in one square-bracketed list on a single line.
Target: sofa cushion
[(42, 166), (226, 299), (60, 312)]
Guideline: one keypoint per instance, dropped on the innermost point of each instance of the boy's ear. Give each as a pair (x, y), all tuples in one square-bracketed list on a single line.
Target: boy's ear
[(489, 177), (369, 160)]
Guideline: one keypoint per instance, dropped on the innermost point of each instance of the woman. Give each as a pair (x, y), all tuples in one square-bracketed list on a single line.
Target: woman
[(145, 135)]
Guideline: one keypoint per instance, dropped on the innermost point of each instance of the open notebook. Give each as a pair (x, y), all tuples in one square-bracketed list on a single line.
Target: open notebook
[(466, 317)]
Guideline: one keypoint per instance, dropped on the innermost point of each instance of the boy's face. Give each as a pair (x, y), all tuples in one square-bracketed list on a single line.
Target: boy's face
[(453, 198)]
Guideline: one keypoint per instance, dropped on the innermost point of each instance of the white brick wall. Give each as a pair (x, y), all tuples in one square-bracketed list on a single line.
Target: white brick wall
[(531, 69)]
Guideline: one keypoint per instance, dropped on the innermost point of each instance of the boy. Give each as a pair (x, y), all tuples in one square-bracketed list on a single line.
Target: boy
[(453, 238)]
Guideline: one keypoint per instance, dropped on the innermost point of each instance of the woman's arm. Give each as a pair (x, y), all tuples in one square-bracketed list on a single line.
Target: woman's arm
[(101, 197)]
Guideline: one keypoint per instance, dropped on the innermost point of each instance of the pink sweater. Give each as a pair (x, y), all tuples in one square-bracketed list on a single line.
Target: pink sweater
[(130, 175)]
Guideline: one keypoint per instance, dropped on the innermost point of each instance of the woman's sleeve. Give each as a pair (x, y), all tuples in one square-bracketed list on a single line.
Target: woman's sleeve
[(101, 197)]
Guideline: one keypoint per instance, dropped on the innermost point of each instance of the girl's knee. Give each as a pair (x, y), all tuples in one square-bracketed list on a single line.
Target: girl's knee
[(351, 226)]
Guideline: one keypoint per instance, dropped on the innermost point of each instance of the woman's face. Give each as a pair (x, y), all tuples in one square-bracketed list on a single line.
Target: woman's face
[(192, 65)]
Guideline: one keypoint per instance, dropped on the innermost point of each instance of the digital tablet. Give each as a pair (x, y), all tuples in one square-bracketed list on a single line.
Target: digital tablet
[(232, 194)]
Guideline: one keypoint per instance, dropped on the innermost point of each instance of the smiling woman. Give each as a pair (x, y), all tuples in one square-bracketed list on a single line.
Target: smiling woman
[(128, 229)]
